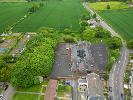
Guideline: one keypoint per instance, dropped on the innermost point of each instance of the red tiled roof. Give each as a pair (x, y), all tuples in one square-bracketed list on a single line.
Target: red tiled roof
[(51, 90)]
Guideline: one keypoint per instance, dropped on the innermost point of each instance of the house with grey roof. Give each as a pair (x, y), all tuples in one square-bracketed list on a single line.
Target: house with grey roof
[(91, 87)]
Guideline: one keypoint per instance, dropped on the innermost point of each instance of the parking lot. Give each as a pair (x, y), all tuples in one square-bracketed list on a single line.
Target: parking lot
[(61, 66)]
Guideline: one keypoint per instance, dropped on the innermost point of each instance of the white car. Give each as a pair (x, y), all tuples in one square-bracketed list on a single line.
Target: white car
[(1, 96)]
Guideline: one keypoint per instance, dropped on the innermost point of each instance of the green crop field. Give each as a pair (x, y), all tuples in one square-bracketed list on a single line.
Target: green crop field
[(11, 12), (121, 21), (12, 0), (114, 5), (58, 14)]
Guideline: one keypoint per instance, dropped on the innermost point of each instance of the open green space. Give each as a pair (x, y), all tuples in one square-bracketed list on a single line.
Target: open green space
[(58, 14), (121, 21), (24, 96), (114, 5), (63, 90), (12, 0), (11, 13)]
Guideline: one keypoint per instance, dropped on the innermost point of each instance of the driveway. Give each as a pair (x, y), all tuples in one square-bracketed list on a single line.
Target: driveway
[(8, 94)]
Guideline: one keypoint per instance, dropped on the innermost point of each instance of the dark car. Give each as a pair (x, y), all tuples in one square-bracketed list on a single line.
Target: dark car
[(110, 89), (122, 96)]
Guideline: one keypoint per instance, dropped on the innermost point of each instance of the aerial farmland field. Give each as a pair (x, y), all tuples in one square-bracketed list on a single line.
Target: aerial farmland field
[(121, 21), (58, 14), (11, 12)]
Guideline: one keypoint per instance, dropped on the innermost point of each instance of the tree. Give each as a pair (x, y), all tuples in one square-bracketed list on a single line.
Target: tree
[(94, 16), (108, 6), (88, 34), (34, 8), (83, 23), (114, 43), (130, 44), (85, 17), (102, 33), (67, 31), (2, 64), (69, 39)]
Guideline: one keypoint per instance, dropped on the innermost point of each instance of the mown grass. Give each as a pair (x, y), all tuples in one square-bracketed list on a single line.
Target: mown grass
[(114, 5), (24, 96), (121, 21), (58, 14)]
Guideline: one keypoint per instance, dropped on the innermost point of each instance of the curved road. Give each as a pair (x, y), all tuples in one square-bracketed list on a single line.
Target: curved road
[(118, 69)]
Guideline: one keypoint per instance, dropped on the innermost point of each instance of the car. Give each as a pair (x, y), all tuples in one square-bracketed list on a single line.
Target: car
[(110, 89), (1, 96), (122, 96)]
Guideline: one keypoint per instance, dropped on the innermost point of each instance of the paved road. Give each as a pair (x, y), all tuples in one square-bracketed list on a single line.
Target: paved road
[(8, 94), (75, 90), (116, 75)]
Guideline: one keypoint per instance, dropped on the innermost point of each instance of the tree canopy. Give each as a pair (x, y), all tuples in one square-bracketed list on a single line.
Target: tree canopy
[(37, 60)]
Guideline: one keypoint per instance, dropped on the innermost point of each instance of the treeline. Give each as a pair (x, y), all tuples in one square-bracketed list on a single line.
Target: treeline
[(35, 7)]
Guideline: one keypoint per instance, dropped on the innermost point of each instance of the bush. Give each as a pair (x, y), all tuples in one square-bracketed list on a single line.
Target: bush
[(83, 23), (1, 40), (102, 33), (94, 16), (115, 43), (34, 8), (85, 17), (69, 39), (67, 31), (130, 44), (41, 4), (108, 6), (8, 58), (2, 64)]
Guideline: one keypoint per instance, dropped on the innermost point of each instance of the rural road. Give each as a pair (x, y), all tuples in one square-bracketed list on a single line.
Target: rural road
[(116, 76), (118, 69)]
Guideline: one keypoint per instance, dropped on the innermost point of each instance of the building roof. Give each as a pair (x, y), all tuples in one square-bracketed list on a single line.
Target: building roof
[(51, 90), (89, 57), (95, 88)]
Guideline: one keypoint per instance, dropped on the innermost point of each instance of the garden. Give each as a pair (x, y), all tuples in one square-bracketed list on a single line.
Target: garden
[(36, 92)]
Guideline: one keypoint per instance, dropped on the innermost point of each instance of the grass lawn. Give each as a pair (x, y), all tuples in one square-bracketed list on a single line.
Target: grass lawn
[(58, 14), (35, 88), (121, 21), (114, 5), (42, 97), (19, 96), (62, 90)]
